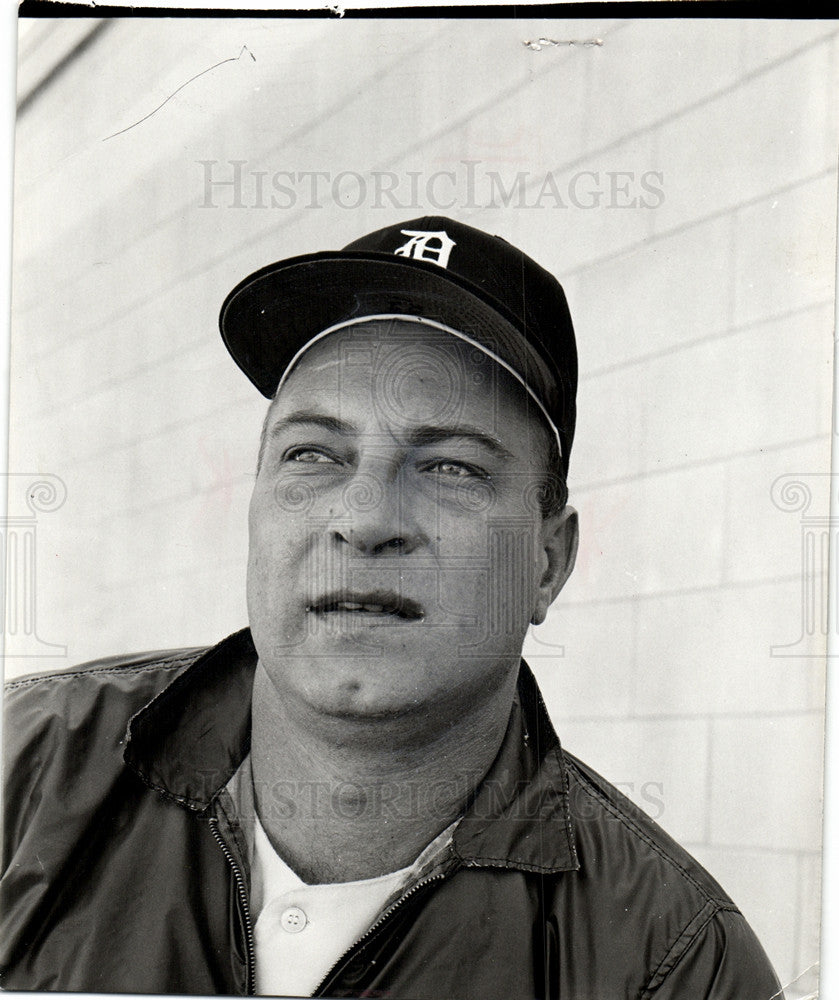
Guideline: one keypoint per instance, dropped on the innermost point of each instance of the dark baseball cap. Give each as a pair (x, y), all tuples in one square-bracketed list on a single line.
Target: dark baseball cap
[(477, 286)]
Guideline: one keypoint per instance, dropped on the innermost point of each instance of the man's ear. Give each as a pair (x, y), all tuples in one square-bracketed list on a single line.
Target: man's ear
[(559, 539)]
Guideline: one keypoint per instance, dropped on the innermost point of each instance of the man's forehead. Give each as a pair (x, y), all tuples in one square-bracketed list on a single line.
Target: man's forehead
[(396, 350), (401, 364), (422, 384)]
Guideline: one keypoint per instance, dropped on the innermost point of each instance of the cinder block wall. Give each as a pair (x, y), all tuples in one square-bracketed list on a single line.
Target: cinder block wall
[(689, 211)]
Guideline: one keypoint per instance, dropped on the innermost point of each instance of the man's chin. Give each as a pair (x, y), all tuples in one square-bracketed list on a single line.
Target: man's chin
[(360, 700), (368, 710), (354, 681)]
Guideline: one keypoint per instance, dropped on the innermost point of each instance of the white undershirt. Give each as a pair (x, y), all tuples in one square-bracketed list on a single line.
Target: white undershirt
[(302, 930)]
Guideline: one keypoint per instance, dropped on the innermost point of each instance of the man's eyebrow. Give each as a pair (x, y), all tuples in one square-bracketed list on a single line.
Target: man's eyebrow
[(323, 420), (430, 434), (417, 437)]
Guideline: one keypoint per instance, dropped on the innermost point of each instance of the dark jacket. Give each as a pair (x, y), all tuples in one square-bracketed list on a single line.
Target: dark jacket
[(126, 869)]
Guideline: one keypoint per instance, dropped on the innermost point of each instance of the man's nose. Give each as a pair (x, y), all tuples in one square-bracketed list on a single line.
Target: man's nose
[(377, 516)]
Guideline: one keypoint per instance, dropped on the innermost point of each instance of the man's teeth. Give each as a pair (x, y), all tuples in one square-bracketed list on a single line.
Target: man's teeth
[(353, 606), (396, 607)]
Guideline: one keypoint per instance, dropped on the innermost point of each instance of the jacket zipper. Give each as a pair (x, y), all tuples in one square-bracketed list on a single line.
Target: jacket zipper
[(250, 970), (374, 927)]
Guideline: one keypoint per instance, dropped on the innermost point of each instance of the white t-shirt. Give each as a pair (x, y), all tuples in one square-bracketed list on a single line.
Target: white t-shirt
[(302, 930)]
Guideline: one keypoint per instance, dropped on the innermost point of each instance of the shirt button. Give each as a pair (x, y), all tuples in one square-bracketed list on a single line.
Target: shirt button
[(293, 920)]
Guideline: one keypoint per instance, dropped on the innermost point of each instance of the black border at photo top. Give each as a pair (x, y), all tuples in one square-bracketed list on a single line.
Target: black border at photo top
[(785, 9)]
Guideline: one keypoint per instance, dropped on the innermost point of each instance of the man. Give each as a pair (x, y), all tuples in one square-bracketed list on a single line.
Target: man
[(362, 794)]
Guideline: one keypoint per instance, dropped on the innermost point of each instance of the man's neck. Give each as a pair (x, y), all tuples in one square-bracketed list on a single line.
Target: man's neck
[(355, 799)]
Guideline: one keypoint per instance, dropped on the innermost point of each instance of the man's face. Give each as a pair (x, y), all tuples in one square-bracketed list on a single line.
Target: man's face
[(397, 548)]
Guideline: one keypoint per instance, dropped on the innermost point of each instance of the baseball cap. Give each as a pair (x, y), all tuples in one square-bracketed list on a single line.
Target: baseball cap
[(475, 285)]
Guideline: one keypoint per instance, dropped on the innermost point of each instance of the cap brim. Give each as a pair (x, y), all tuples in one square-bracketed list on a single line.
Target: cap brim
[(268, 318)]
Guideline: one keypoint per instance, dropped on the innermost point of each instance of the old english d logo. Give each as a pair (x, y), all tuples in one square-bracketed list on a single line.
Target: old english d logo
[(434, 247)]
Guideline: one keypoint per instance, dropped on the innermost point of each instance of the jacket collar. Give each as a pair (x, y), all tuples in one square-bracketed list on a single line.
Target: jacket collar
[(189, 741)]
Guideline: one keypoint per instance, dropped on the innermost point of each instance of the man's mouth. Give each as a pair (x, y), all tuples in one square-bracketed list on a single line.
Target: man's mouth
[(374, 602)]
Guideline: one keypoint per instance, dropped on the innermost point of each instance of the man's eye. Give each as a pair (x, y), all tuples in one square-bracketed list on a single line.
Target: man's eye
[(456, 470), (309, 456)]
